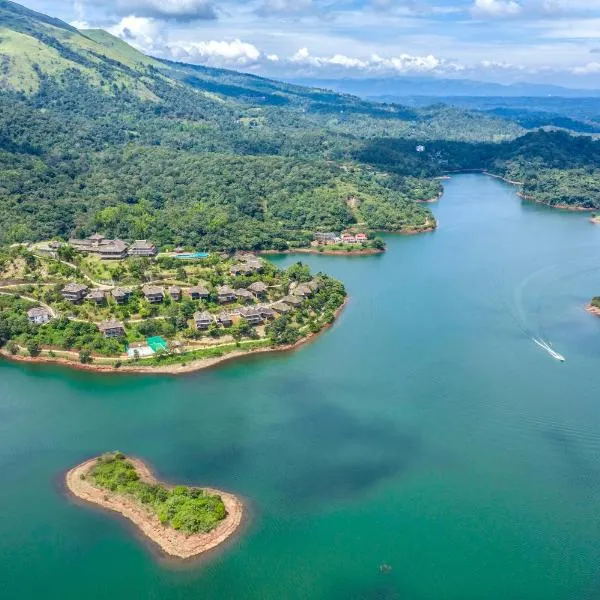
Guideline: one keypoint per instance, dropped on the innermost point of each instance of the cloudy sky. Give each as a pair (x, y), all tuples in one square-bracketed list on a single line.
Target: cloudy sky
[(552, 41)]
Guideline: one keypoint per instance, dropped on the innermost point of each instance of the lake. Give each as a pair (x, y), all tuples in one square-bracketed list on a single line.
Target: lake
[(425, 431)]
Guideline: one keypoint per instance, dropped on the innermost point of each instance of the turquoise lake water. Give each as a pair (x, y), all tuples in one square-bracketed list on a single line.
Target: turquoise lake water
[(426, 431)]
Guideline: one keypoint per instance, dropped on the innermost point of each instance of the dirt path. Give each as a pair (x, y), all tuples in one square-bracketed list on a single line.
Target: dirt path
[(30, 299)]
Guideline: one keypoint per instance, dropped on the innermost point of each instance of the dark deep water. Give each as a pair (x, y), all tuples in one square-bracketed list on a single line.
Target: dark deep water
[(425, 430)]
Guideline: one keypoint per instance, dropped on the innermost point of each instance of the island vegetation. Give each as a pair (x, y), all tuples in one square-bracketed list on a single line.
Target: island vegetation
[(184, 521)]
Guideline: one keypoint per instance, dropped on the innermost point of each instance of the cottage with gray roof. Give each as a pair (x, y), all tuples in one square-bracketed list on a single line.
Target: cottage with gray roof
[(112, 329), (225, 294), (39, 315), (121, 294), (203, 320), (259, 288), (142, 248), (294, 301), (252, 315), (96, 296), (175, 292), (113, 250), (302, 290), (153, 293), (281, 308), (199, 292), (244, 295), (74, 292), (267, 314), (225, 319)]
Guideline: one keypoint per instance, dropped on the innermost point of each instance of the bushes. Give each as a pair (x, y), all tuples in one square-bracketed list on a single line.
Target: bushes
[(191, 510)]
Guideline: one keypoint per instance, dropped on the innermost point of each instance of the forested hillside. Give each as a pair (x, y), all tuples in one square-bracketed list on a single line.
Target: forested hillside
[(96, 136), (555, 167)]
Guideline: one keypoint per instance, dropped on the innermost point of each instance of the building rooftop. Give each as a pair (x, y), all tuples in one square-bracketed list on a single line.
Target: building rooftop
[(258, 287), (111, 324), (142, 245), (38, 311), (224, 289), (75, 288), (152, 290)]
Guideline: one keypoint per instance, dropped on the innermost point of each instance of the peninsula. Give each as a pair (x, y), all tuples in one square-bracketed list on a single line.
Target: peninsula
[(90, 305), (184, 521)]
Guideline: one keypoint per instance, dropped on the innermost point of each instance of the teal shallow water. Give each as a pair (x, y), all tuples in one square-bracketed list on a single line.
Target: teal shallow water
[(425, 431)]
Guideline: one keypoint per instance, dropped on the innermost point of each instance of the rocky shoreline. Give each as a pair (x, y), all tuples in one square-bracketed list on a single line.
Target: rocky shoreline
[(172, 542), (325, 252)]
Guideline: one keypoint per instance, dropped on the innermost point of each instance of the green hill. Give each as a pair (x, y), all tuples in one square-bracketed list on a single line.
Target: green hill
[(94, 134)]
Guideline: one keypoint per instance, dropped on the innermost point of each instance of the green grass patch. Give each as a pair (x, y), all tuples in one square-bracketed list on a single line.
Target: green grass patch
[(183, 508)]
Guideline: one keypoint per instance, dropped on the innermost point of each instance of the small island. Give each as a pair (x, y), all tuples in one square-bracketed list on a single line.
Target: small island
[(594, 306), (184, 521)]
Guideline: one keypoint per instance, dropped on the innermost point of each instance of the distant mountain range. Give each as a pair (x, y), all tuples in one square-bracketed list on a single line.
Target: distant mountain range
[(392, 89)]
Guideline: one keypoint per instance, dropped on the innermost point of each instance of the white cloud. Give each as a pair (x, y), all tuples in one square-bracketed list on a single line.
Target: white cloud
[(592, 68), (141, 32), (496, 8), (213, 52), (404, 63), (283, 7), (165, 9)]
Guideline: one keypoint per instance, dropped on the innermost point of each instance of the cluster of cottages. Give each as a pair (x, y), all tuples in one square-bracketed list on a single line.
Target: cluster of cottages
[(330, 238), (254, 315), (113, 249)]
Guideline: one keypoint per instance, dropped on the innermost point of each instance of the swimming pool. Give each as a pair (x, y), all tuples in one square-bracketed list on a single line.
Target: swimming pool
[(192, 255)]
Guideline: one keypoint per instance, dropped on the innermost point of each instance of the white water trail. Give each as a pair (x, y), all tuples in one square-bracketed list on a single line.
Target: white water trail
[(548, 348)]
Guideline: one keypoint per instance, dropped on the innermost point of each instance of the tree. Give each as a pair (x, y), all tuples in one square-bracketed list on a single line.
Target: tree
[(33, 348), (85, 357)]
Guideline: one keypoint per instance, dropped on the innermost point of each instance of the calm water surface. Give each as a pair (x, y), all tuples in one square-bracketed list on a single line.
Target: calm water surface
[(425, 431)]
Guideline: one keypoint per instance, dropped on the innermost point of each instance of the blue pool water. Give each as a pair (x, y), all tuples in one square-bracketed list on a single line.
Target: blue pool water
[(189, 256)]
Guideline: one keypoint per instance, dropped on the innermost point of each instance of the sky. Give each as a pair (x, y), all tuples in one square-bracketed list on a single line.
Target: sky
[(505, 41)]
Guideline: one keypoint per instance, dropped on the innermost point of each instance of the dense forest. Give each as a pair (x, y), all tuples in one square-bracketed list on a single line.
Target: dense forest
[(97, 136)]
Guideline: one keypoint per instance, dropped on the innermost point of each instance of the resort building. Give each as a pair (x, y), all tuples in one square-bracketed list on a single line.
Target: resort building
[(225, 294), (240, 269), (121, 295), (325, 237), (252, 315), (244, 295), (112, 329), (361, 238), (259, 288), (142, 248), (153, 293), (97, 296), (98, 244), (225, 319), (266, 313), (348, 238), (294, 301), (302, 290), (74, 292), (281, 308), (50, 249), (113, 250), (175, 292), (39, 315), (199, 292), (203, 320)]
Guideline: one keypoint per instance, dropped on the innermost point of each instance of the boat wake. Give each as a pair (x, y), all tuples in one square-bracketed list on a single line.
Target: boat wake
[(548, 348)]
